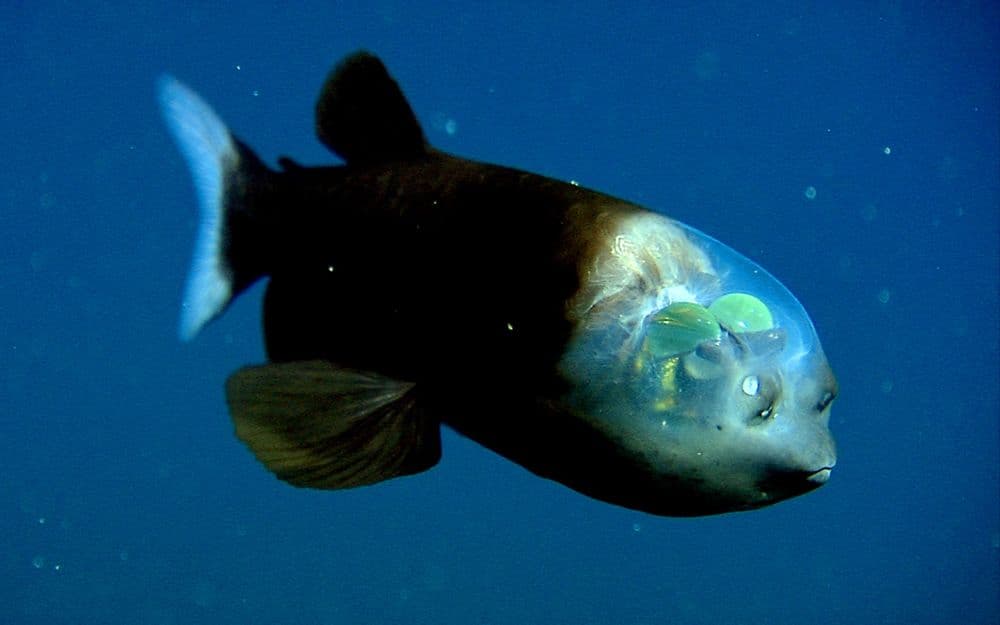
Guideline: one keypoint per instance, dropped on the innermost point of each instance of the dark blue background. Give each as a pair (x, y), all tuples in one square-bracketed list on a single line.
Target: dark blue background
[(124, 497)]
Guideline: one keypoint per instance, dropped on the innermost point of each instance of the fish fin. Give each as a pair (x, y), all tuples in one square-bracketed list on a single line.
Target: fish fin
[(230, 182), (363, 116), (316, 425)]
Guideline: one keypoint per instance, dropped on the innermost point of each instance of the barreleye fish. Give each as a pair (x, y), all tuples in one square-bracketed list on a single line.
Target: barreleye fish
[(590, 340)]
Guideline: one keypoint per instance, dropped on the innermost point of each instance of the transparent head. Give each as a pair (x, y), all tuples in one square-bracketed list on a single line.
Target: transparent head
[(703, 366)]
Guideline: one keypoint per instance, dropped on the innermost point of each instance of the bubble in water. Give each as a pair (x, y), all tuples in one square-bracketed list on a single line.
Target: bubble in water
[(707, 66), (445, 124), (883, 296), (887, 151), (38, 562), (636, 527), (810, 193)]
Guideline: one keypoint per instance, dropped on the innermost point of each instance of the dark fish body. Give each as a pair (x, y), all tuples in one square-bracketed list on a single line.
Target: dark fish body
[(588, 339)]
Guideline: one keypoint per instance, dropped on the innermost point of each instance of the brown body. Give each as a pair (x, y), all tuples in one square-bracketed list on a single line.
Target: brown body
[(458, 276)]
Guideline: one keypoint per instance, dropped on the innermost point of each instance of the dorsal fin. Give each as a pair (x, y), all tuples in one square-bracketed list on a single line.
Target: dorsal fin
[(363, 116)]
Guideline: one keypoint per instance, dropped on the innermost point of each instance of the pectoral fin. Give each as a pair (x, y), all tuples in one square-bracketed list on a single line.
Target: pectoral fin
[(316, 425)]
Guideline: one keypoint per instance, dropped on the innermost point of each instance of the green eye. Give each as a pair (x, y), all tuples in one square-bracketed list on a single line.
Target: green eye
[(740, 312), (679, 328)]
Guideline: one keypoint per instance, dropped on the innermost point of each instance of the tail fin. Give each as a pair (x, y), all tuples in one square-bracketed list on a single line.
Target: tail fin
[(219, 165)]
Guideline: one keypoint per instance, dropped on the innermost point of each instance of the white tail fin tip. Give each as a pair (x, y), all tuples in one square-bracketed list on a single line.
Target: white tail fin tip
[(209, 150)]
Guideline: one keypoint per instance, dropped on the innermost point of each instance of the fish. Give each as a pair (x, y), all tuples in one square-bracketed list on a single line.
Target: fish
[(590, 340)]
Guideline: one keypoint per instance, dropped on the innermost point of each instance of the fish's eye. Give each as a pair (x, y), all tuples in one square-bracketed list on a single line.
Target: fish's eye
[(825, 401)]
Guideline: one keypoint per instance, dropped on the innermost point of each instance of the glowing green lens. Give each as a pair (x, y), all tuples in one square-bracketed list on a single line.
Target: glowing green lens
[(740, 312), (679, 328)]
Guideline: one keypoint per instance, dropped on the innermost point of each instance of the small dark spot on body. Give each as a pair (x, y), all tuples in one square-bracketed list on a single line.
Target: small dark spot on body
[(718, 427)]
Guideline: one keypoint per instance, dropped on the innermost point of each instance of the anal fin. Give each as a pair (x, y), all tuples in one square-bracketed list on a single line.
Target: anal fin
[(317, 425)]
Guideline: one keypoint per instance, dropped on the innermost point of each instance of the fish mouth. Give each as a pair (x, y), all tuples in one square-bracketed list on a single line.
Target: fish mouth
[(792, 483), (819, 476)]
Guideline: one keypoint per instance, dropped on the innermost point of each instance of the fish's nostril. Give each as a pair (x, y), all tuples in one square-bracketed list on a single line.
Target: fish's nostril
[(825, 401)]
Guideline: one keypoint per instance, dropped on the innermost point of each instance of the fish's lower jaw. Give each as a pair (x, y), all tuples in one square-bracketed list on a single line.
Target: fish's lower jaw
[(820, 476), (786, 485)]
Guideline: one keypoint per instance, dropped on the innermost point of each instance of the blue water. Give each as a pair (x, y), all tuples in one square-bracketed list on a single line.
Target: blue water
[(124, 497)]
